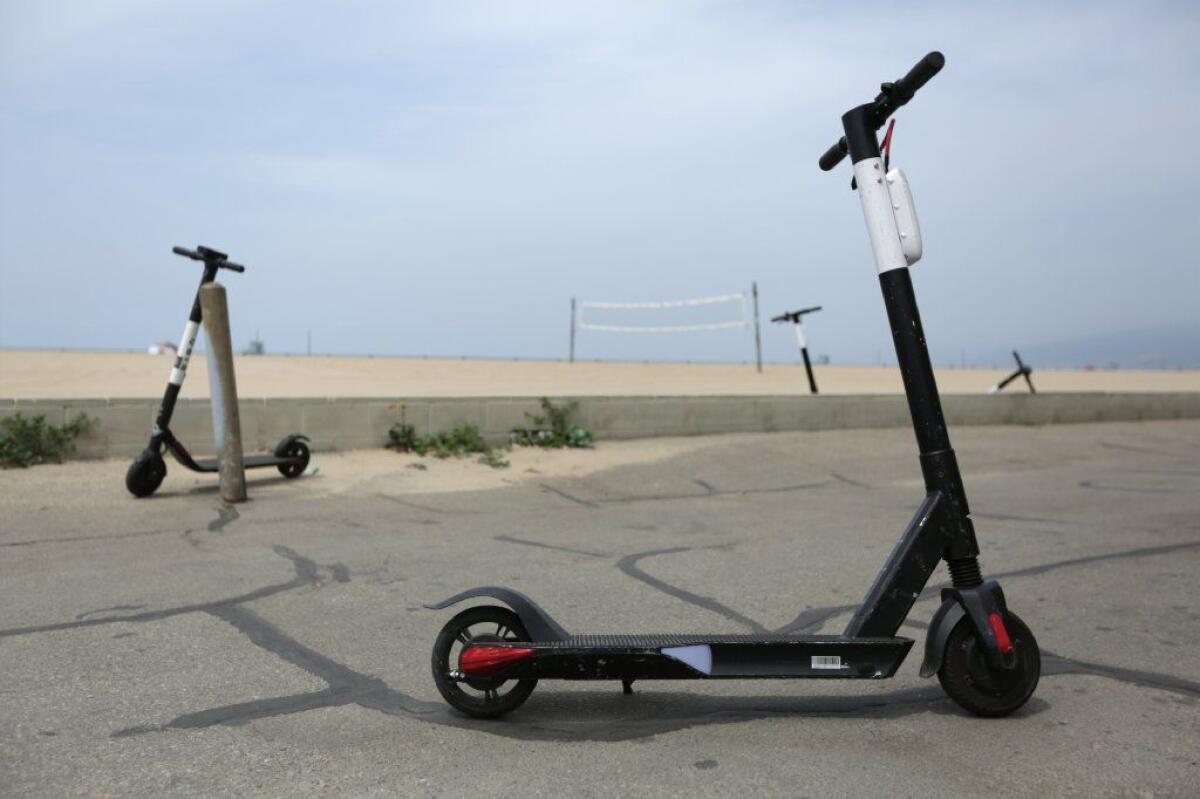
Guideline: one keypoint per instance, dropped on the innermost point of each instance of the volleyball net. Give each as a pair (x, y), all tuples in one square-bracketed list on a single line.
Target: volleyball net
[(738, 300), (737, 310)]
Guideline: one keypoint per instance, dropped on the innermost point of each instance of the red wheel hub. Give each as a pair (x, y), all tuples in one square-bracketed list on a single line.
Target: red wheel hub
[(485, 661)]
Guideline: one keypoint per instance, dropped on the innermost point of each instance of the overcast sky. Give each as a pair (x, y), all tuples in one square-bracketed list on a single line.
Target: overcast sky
[(441, 178)]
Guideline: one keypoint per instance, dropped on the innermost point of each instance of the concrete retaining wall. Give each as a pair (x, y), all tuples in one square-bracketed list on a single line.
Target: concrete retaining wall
[(123, 425)]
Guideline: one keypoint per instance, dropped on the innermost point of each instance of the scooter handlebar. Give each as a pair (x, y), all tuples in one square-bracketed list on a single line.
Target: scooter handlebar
[(834, 155), (904, 89), (207, 254), (891, 97)]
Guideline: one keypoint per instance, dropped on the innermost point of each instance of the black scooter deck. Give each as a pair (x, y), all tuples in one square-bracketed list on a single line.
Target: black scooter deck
[(708, 656), (250, 462)]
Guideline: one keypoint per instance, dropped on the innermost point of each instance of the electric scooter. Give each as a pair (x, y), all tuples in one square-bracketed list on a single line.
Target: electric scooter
[(147, 471), (487, 660), (797, 320), (1023, 370)]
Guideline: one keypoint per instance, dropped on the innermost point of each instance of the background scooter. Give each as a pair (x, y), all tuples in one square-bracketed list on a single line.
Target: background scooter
[(1022, 370), (147, 471), (796, 318)]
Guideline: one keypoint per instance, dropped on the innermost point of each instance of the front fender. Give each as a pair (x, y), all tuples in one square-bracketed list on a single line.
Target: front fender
[(538, 623), (945, 620), (978, 603)]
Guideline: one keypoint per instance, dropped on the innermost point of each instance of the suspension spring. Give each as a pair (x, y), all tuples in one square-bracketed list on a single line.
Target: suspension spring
[(965, 572)]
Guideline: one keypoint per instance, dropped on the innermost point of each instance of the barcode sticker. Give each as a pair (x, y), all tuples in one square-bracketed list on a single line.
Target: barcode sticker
[(826, 661)]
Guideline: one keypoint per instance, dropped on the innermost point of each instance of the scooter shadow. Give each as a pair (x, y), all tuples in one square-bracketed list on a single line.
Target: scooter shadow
[(589, 715), (251, 482), (210, 489)]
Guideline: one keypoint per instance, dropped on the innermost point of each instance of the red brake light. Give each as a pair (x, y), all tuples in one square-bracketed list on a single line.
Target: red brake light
[(484, 661), (1000, 632)]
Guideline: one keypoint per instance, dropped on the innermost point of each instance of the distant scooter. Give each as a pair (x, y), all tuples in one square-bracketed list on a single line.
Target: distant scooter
[(147, 471), (796, 318), (1022, 370)]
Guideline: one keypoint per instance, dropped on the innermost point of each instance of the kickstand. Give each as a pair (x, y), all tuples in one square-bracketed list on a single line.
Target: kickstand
[(626, 686)]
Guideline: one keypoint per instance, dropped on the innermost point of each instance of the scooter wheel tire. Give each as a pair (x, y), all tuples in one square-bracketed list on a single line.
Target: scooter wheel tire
[(145, 474), (298, 454), (978, 687), (479, 697)]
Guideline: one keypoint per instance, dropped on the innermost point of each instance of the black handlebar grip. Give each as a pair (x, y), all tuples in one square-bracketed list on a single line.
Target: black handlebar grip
[(919, 75), (186, 253), (233, 267), (833, 156), (892, 96)]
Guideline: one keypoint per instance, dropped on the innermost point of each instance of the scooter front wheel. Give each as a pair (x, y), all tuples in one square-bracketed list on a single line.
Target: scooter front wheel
[(978, 687), (145, 474), (296, 451), (479, 697)]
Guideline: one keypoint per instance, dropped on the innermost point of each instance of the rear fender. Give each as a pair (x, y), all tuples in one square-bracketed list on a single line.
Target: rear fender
[(538, 623), (282, 447)]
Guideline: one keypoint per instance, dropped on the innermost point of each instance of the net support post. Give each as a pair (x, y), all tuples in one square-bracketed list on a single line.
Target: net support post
[(757, 333), (227, 425), (572, 350)]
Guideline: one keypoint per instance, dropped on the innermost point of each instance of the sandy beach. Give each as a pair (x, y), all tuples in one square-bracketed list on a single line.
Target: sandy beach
[(76, 375)]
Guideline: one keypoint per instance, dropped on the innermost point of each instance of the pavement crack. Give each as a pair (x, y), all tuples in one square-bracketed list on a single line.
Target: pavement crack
[(711, 491), (1140, 552), (267, 636), (410, 504), (1010, 517), (144, 533), (629, 566), (508, 539), (841, 478), (1053, 664), (71, 539), (567, 496), (226, 514), (87, 613), (345, 686), (1139, 450), (307, 573), (1096, 485), (813, 618)]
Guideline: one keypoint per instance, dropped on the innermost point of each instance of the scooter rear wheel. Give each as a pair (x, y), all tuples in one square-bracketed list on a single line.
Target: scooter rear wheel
[(971, 682), (479, 697), (145, 474)]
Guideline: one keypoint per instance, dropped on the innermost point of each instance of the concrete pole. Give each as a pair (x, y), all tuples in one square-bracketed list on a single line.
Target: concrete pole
[(227, 424), (757, 334)]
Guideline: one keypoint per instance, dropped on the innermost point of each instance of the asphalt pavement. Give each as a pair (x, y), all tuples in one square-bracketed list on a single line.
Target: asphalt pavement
[(175, 645)]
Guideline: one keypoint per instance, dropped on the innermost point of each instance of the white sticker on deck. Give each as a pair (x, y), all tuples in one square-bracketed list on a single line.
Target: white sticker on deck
[(826, 661)]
